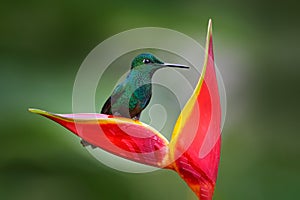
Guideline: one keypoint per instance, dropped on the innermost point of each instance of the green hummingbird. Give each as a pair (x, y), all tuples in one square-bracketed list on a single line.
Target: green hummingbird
[(131, 97)]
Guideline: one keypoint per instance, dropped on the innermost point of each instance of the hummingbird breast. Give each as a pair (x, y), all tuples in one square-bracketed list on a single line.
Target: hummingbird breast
[(132, 96)]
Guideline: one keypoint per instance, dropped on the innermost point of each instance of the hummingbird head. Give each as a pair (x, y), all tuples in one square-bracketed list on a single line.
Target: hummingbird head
[(149, 61)]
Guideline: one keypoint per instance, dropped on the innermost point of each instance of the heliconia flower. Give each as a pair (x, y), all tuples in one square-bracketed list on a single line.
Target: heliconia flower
[(194, 149)]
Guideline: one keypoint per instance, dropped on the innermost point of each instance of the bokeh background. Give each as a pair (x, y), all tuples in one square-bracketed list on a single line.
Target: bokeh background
[(43, 43)]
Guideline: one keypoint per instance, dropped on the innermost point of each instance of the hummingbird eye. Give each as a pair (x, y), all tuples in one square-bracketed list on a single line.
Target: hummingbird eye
[(146, 61)]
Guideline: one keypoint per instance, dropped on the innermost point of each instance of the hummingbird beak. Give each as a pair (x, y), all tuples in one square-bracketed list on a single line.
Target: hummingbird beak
[(175, 65)]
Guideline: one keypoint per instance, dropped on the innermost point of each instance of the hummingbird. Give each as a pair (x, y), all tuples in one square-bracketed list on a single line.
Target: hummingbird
[(131, 97)]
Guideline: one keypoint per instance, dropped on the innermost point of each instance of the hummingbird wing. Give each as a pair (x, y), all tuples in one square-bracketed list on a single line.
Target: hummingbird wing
[(117, 93), (106, 109)]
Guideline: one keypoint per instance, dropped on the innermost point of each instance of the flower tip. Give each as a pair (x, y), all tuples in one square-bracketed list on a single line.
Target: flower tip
[(37, 111), (209, 20), (209, 32)]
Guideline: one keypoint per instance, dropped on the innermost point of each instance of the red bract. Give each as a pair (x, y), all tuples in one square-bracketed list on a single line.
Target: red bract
[(194, 150)]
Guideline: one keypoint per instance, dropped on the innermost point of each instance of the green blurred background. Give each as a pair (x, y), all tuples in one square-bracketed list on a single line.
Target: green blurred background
[(42, 44)]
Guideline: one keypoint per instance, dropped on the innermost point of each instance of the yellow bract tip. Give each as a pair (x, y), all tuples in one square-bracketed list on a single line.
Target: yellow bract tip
[(37, 111)]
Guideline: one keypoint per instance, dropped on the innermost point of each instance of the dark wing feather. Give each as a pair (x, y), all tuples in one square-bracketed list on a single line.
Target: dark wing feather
[(106, 109)]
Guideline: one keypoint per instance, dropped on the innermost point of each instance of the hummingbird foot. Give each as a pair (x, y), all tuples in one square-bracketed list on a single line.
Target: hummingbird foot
[(86, 144), (136, 118)]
